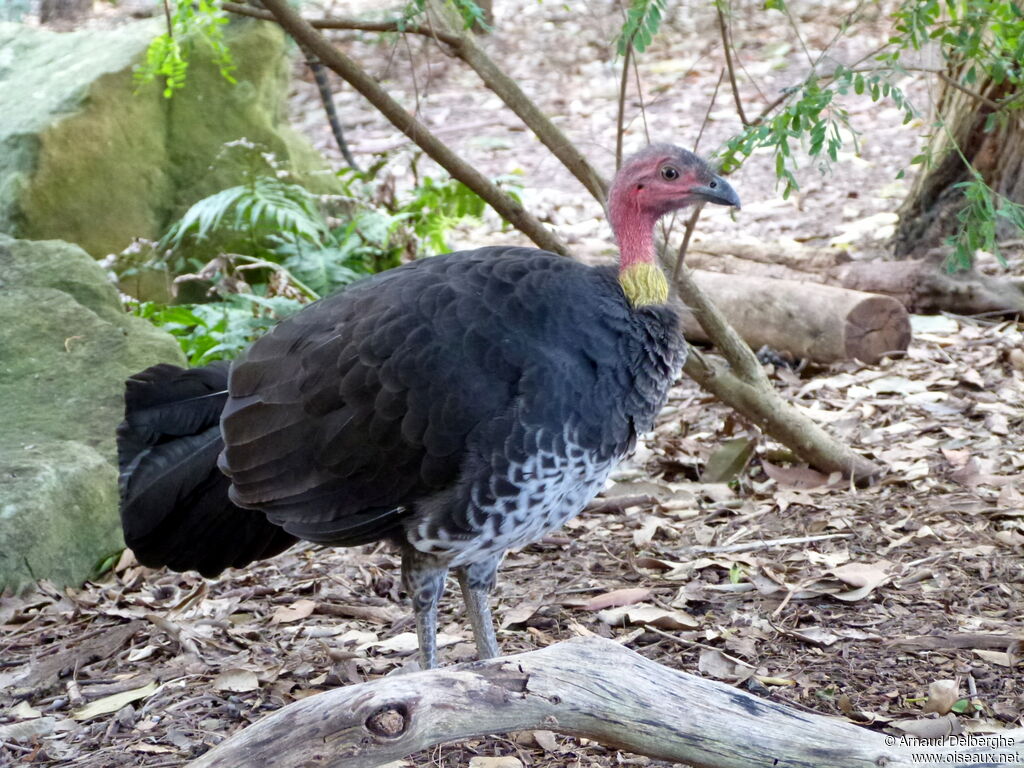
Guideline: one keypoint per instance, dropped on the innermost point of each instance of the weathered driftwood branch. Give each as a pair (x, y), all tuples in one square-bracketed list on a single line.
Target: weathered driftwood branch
[(352, 73), (591, 688), (823, 323), (744, 388)]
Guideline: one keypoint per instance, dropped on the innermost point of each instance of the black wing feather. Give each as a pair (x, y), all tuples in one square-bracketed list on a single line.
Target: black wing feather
[(368, 403), (175, 509)]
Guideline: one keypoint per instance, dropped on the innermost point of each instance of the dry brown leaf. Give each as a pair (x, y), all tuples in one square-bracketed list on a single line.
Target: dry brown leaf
[(656, 564), (957, 457), (864, 576), (1016, 358), (546, 740), (1001, 658), (1011, 498), (715, 664), (617, 598), (23, 711), (728, 460), (794, 477), (643, 535), (929, 728), (113, 703), (942, 695), (648, 614), (297, 611), (28, 730), (519, 614), (816, 636), (236, 680), (152, 749), (508, 761), (406, 642)]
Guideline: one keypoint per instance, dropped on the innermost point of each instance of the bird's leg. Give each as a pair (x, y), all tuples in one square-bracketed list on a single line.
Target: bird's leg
[(423, 578), (477, 582)]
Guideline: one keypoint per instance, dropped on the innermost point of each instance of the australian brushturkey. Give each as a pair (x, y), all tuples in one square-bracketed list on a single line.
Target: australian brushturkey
[(459, 406)]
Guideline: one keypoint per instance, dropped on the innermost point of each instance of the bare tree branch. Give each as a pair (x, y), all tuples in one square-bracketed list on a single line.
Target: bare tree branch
[(727, 48), (508, 90), (357, 25), (352, 73)]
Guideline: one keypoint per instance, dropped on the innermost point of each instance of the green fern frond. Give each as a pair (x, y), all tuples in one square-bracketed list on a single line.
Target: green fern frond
[(265, 205)]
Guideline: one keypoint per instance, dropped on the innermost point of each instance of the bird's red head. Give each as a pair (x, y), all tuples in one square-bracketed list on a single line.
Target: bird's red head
[(655, 181)]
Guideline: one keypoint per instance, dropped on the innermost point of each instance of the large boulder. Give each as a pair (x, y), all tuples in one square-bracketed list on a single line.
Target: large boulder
[(90, 157), (66, 347)]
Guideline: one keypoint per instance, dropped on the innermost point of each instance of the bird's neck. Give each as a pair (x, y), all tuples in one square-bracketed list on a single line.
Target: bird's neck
[(639, 275)]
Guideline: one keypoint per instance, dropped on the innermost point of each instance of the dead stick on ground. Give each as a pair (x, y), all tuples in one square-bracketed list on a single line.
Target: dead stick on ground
[(592, 688), (748, 546)]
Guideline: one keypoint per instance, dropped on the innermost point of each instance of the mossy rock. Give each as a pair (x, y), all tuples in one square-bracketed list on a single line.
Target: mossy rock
[(66, 348), (89, 156)]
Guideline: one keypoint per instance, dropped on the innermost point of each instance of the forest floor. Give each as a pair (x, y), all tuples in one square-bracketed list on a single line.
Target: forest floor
[(898, 602)]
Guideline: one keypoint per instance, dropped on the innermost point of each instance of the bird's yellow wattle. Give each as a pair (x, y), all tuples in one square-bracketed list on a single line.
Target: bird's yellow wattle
[(644, 284)]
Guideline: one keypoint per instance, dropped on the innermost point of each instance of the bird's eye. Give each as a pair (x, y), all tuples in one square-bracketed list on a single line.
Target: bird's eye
[(713, 184), (670, 173)]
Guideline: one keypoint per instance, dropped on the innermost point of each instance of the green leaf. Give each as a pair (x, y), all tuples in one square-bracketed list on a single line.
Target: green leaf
[(728, 460), (643, 19), (168, 54)]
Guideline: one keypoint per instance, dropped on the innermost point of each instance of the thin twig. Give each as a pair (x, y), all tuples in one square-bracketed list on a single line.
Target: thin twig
[(749, 546), (796, 32), (508, 90), (694, 644), (723, 30), (691, 224), (707, 112), (323, 88), (993, 105), (167, 15), (619, 124), (640, 98), (412, 75), (620, 503), (357, 25)]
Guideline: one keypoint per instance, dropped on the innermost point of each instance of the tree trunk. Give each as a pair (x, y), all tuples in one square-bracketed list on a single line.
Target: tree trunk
[(929, 213)]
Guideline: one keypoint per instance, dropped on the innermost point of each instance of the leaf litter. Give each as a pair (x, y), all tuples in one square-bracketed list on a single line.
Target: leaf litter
[(756, 583)]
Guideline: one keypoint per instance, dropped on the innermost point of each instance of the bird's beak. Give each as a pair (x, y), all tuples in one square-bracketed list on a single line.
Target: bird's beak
[(717, 191)]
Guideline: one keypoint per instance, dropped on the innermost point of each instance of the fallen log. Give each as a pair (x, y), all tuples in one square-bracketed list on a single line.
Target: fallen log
[(822, 323), (922, 285), (592, 688)]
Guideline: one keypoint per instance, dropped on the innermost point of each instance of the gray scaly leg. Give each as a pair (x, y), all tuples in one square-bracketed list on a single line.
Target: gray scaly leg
[(423, 579), (477, 582)]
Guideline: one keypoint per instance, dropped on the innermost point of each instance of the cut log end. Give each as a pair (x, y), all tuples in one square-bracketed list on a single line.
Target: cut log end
[(875, 327), (822, 323)]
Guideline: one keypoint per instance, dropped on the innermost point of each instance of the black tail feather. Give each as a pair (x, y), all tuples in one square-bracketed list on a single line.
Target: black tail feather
[(175, 509)]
